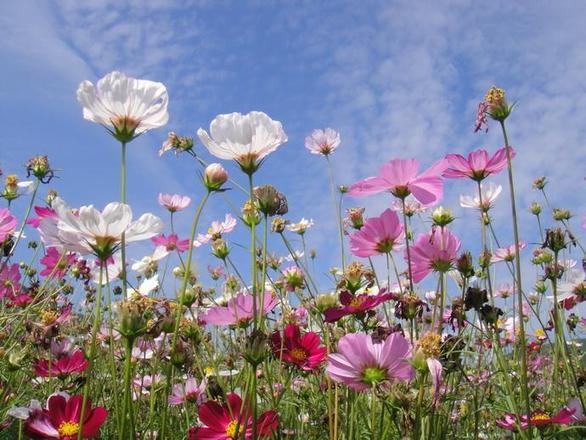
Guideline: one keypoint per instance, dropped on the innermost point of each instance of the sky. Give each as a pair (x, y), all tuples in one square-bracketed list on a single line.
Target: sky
[(395, 78)]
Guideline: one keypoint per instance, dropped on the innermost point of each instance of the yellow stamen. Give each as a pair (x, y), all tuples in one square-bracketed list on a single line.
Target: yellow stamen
[(68, 428)]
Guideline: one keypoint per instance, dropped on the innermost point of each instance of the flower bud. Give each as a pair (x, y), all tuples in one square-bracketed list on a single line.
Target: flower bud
[(465, 266), (270, 201), (51, 195), (214, 177), (561, 215), (220, 248), (326, 301), (250, 214), (498, 108), (540, 183), (535, 208), (278, 225), (356, 217), (39, 167), (555, 240), (132, 322), (442, 216)]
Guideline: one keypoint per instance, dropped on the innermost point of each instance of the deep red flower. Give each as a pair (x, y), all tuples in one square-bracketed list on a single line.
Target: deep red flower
[(66, 365), (356, 304), (231, 420), (61, 419), (302, 350)]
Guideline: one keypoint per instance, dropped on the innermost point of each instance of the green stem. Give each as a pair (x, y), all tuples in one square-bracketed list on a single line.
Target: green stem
[(123, 200), (127, 390), (337, 209), (522, 337), (407, 247)]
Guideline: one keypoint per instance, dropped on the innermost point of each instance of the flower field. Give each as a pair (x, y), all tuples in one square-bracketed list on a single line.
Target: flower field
[(415, 334)]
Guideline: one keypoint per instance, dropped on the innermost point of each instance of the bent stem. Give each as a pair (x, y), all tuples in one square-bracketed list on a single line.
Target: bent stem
[(522, 337)]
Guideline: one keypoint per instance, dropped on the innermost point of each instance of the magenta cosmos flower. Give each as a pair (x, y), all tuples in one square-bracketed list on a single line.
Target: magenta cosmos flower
[(435, 251), (353, 304), (304, 351), (571, 413), (56, 263), (360, 363), (9, 281), (378, 235), (190, 391), (239, 310), (478, 166), (42, 213), (171, 243), (400, 178), (7, 223), (232, 421), (61, 419), (175, 202), (62, 367), (322, 142)]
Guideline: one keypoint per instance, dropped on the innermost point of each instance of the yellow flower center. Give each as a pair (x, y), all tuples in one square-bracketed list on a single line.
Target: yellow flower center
[(68, 428), (495, 95), (234, 430), (298, 354), (356, 302), (48, 317), (540, 417), (11, 180)]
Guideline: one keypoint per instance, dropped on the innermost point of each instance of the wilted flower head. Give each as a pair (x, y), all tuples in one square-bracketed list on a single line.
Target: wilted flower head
[(494, 105), (39, 167), (270, 201), (126, 106), (177, 144), (247, 139), (322, 142)]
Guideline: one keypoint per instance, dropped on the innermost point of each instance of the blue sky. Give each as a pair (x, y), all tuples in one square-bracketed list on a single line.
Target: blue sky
[(396, 78)]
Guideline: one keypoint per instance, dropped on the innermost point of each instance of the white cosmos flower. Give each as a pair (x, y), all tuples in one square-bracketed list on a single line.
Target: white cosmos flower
[(91, 231), (301, 227), (113, 269), (322, 142), (573, 287), (247, 139), (490, 192), (126, 106), (148, 261)]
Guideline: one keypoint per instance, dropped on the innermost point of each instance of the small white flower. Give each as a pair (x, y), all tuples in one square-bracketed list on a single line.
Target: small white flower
[(296, 255), (490, 192), (300, 227), (322, 142), (148, 261)]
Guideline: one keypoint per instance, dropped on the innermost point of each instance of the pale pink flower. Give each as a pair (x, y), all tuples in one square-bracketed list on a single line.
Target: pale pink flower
[(239, 310), (507, 253), (216, 230), (174, 202), (322, 142), (412, 206), (360, 363), (7, 223), (478, 166), (435, 251), (400, 178), (490, 193), (42, 213), (378, 235), (190, 391), (9, 281), (435, 368)]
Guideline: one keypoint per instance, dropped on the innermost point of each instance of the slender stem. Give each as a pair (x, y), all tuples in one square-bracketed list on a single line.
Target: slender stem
[(522, 337), (253, 254), (93, 348), (338, 214), (406, 230), (123, 200), (127, 392)]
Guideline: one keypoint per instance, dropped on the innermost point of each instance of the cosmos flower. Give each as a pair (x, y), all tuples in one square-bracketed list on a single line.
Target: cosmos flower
[(231, 421), (92, 231), (301, 227), (174, 202), (506, 254), (489, 192), (569, 414), (400, 178), (7, 223), (435, 251), (239, 310), (9, 281), (573, 290), (304, 351), (478, 166), (322, 142), (378, 235), (62, 367), (56, 263), (171, 243), (353, 304), (247, 139), (216, 230), (361, 364), (190, 391), (126, 107), (61, 419), (42, 212), (149, 262)]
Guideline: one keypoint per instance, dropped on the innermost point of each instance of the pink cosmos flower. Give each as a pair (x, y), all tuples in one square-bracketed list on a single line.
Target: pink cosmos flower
[(506, 254), (360, 363), (232, 421), (191, 391), (61, 419), (216, 230), (63, 367), (322, 142), (216, 272), (571, 413), (9, 281), (171, 243), (7, 223), (353, 304), (478, 166), (43, 213), (378, 235), (239, 310), (56, 264), (436, 370), (304, 351), (435, 251), (400, 178), (175, 202)]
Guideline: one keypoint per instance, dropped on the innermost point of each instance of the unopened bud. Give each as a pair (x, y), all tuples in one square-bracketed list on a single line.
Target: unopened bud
[(214, 177)]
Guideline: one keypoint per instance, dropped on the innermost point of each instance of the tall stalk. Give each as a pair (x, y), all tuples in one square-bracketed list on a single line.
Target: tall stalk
[(519, 287), (338, 214), (123, 200)]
